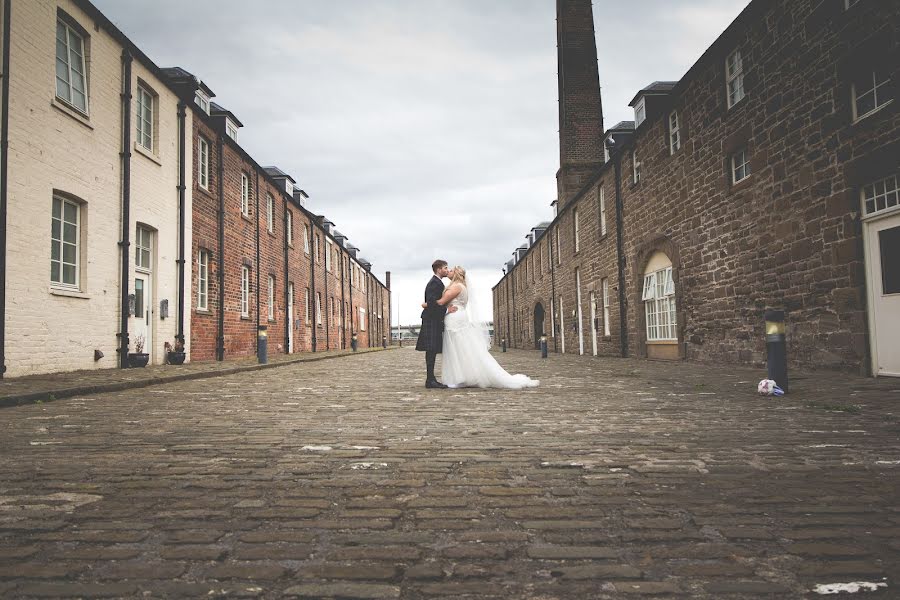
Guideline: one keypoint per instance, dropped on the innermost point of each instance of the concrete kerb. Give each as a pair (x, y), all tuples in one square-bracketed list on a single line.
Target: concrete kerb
[(50, 395)]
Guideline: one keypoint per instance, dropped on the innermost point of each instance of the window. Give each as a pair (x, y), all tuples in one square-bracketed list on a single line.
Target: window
[(307, 306), (143, 246), (231, 130), (245, 195), (245, 291), (318, 308), (602, 200), (144, 117), (329, 249), (71, 80), (270, 213), (870, 92), (640, 113), (202, 280), (65, 243), (289, 227), (605, 288), (203, 162), (306, 238), (734, 76), (362, 319), (558, 254), (271, 298), (740, 166), (635, 168), (575, 226), (674, 133), (848, 4), (881, 195), (659, 303), (202, 100)]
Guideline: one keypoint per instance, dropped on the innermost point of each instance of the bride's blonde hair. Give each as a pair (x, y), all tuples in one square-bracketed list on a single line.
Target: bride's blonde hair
[(459, 275)]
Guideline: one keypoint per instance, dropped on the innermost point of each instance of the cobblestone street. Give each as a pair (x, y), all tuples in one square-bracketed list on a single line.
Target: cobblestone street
[(347, 478)]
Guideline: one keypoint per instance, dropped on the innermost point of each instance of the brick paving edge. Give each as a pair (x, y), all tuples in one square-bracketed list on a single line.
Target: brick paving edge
[(58, 394)]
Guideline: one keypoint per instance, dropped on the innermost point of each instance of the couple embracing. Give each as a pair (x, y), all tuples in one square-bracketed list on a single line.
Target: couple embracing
[(450, 327)]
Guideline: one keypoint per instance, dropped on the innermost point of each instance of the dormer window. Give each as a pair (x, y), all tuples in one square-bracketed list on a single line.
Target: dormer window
[(202, 100), (231, 129), (640, 113)]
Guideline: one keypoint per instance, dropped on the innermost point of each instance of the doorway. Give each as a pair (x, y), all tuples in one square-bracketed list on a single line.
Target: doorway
[(290, 318), (538, 325), (882, 247)]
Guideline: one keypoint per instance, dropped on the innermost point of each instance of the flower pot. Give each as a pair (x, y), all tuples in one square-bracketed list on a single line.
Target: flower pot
[(175, 358), (138, 360)]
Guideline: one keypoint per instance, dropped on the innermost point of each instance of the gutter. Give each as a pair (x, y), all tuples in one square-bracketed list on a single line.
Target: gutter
[(623, 327), (256, 263), (220, 174), (312, 280), (553, 306), (288, 323), (325, 287), (182, 133), (343, 306), (125, 242), (4, 187)]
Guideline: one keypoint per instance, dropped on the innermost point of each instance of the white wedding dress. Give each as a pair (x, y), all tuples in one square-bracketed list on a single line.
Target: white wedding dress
[(466, 360)]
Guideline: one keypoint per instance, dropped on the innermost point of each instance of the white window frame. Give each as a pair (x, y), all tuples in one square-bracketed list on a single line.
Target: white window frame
[(635, 168), (640, 112), (308, 307), (143, 244), (203, 162), (289, 228), (306, 239), (876, 86), (245, 194), (318, 242), (605, 288), (881, 196), (734, 78), (659, 306), (558, 253), (362, 318), (72, 72), (601, 195), (271, 298), (145, 100), (270, 213), (245, 291), (231, 130), (329, 248), (318, 308), (743, 166), (577, 231), (202, 100), (674, 133), (60, 243), (202, 280)]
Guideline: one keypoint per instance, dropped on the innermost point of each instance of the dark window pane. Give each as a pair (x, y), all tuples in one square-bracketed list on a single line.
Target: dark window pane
[(889, 240)]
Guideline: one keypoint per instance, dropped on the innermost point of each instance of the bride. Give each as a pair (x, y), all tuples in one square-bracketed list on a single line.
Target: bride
[(466, 359)]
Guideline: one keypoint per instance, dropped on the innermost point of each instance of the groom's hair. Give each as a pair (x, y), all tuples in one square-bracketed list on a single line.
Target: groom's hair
[(438, 264)]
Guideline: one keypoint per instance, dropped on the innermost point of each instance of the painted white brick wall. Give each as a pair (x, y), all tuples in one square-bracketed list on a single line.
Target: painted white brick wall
[(52, 150)]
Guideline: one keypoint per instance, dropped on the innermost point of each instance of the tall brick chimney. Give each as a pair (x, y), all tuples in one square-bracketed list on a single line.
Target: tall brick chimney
[(580, 109), (387, 279)]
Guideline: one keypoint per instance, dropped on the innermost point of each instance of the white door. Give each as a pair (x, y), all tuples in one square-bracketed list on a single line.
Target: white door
[(142, 314), (290, 318), (882, 241), (578, 313), (562, 325), (593, 324)]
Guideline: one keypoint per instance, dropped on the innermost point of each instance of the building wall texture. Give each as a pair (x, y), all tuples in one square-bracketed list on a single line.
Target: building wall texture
[(788, 237)]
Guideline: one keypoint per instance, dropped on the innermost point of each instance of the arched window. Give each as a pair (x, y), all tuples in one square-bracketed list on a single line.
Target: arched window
[(659, 300)]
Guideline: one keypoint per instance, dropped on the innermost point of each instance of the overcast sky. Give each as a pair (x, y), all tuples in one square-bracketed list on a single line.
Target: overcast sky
[(423, 128)]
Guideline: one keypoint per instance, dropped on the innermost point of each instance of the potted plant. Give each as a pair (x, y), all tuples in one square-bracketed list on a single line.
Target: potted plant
[(138, 358), (175, 354)]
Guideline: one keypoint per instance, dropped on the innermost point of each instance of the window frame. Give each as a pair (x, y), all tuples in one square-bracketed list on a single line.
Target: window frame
[(71, 28), (245, 291), (270, 213), (61, 243), (604, 284), (318, 308), (640, 112), (362, 318), (659, 301), (202, 279), (289, 227), (145, 90), (890, 187), (674, 133), (601, 200), (745, 165), (734, 75), (271, 300), (576, 229), (203, 162), (329, 248), (142, 234), (854, 96), (635, 168), (231, 130), (245, 194), (306, 248), (308, 307)]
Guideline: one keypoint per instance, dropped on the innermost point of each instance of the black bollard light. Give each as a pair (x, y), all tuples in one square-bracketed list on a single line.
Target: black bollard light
[(353, 341), (384, 341), (503, 344), (543, 346), (776, 348), (262, 344)]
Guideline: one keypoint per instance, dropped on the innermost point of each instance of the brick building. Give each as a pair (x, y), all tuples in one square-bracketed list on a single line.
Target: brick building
[(765, 178), (130, 213)]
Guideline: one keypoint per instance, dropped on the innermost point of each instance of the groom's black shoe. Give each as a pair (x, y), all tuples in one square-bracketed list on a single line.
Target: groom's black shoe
[(434, 384)]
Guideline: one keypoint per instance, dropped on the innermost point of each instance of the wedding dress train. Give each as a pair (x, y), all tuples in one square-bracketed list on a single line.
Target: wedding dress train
[(466, 361)]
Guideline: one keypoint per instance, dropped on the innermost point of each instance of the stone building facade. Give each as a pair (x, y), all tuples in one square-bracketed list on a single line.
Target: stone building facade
[(113, 184), (764, 179)]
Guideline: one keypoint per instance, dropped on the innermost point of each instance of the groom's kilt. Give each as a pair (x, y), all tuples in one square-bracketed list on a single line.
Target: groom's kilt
[(431, 336)]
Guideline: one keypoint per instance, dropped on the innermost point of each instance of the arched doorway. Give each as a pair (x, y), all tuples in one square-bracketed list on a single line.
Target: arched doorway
[(538, 325), (660, 310)]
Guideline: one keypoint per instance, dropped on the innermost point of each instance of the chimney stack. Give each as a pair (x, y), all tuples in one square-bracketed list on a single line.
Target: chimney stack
[(387, 279)]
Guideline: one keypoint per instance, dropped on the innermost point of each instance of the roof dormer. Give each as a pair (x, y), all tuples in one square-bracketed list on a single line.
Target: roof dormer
[(285, 181), (232, 124), (647, 100)]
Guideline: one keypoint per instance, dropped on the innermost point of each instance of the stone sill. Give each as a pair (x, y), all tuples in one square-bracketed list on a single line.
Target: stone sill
[(69, 293), (871, 113), (201, 311), (71, 112), (147, 154), (662, 343)]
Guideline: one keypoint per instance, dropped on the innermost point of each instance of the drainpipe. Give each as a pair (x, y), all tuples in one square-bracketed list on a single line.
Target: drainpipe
[(623, 327), (220, 176), (325, 288), (125, 243), (508, 306), (4, 158), (556, 325), (287, 320), (514, 309), (182, 132), (312, 278), (258, 266), (343, 306)]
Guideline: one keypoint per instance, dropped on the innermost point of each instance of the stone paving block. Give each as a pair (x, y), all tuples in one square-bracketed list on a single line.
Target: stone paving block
[(245, 570), (33, 570), (142, 570), (425, 571), (571, 552), (363, 591), (645, 588), (77, 590), (826, 550), (475, 551), (193, 536), (192, 552), (598, 572), (839, 568), (14, 552), (273, 551), (95, 552), (762, 588), (712, 569), (390, 553), (355, 570)]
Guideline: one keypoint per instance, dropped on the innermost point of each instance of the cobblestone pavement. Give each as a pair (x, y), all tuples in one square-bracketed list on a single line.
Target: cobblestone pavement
[(614, 479)]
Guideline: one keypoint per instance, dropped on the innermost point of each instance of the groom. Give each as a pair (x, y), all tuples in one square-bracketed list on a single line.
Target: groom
[(431, 335)]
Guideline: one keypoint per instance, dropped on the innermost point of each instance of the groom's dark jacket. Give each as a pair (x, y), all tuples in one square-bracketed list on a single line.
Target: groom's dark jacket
[(431, 336)]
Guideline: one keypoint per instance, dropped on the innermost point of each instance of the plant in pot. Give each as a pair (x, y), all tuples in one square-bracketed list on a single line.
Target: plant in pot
[(138, 358), (175, 354)]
